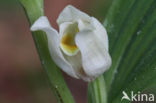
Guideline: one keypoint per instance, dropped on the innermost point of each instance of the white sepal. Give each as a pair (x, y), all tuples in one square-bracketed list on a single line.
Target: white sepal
[(95, 57), (71, 14), (53, 43)]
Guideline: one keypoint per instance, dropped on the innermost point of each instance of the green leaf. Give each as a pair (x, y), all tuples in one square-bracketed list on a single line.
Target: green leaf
[(132, 38), (132, 35), (34, 9)]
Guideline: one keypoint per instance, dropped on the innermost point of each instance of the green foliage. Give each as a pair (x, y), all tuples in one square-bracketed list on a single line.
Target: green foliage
[(34, 9), (131, 28)]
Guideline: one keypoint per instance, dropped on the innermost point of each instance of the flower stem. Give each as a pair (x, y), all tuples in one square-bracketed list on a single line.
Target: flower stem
[(97, 91)]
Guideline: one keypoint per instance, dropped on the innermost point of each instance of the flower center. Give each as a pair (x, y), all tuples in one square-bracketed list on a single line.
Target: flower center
[(68, 45)]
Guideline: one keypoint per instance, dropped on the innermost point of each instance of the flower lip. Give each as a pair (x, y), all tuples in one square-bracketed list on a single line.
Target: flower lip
[(67, 43)]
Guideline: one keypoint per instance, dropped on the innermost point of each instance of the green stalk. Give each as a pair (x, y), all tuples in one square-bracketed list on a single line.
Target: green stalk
[(34, 9), (97, 91)]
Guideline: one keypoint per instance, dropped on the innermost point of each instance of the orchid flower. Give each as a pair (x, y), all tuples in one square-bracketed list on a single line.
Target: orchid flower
[(81, 47)]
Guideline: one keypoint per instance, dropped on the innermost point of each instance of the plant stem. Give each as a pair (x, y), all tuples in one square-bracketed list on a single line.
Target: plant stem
[(97, 91)]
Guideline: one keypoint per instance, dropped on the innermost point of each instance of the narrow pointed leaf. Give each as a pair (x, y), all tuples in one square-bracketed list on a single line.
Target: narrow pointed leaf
[(132, 39)]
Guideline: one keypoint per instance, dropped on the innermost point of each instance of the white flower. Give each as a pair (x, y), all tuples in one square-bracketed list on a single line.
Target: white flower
[(81, 47)]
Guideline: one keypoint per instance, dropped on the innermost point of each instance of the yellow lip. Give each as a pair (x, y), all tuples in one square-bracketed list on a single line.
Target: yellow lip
[(68, 45)]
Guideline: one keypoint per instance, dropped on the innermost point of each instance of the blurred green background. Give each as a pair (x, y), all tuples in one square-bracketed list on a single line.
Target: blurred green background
[(22, 79)]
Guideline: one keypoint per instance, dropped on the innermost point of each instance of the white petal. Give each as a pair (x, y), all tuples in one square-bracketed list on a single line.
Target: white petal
[(76, 62), (100, 32), (71, 14), (85, 25), (53, 43), (96, 27), (95, 57), (63, 28)]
